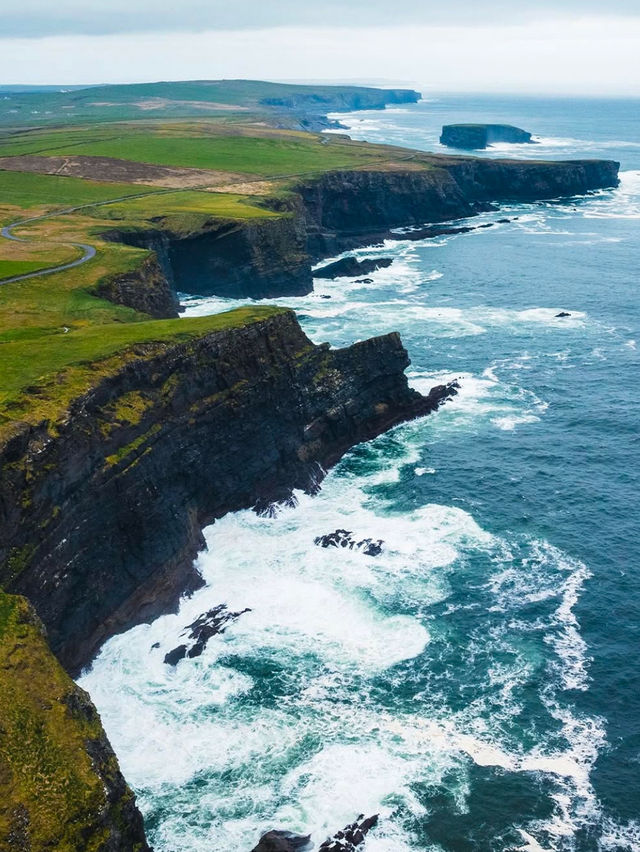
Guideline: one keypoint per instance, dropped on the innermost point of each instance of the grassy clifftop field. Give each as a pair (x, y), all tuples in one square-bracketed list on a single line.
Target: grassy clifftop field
[(55, 332), (111, 192)]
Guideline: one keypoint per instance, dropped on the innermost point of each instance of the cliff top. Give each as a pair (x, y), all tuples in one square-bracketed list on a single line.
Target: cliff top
[(78, 185)]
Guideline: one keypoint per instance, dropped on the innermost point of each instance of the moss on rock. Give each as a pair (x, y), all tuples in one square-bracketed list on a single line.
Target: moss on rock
[(60, 784)]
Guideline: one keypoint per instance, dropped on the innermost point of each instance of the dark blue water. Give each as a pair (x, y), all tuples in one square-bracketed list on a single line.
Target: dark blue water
[(477, 684)]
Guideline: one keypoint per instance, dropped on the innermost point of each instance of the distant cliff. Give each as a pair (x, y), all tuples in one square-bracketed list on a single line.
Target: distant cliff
[(113, 500), (342, 99)]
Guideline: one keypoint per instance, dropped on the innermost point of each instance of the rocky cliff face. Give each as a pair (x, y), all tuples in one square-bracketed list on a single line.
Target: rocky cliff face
[(60, 785), (338, 210), (343, 209), (147, 289), (259, 258), (344, 99), (114, 499), (533, 180), (347, 208)]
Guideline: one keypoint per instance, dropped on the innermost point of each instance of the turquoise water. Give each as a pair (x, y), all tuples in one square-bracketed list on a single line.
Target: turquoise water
[(477, 683)]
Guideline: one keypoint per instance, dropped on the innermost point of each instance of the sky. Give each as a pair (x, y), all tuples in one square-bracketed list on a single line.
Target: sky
[(585, 47)]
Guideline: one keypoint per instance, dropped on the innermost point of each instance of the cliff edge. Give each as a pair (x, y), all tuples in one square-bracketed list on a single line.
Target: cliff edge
[(323, 215), (113, 497)]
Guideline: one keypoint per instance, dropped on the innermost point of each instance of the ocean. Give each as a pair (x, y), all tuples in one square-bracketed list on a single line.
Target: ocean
[(477, 683)]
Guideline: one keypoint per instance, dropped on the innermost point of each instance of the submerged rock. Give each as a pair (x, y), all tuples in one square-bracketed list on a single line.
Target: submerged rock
[(209, 624), (344, 538), (351, 836), (283, 841), (174, 657), (351, 267), (478, 136), (346, 840), (563, 314)]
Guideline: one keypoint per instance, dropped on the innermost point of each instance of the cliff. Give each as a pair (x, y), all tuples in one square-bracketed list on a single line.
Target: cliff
[(60, 786), (148, 289), (113, 498), (341, 99), (341, 209), (479, 136), (344, 209)]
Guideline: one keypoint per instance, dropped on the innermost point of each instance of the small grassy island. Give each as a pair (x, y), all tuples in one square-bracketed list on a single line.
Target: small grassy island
[(119, 420)]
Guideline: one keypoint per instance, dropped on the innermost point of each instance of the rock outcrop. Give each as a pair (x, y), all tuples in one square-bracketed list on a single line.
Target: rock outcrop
[(345, 539), (60, 785), (283, 841), (147, 289), (347, 839), (351, 267), (113, 499), (207, 625), (478, 136)]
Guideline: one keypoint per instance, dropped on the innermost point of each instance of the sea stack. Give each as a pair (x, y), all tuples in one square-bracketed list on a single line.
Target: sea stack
[(475, 137)]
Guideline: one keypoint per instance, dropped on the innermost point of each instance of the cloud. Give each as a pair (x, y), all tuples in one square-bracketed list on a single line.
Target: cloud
[(41, 18), (550, 57)]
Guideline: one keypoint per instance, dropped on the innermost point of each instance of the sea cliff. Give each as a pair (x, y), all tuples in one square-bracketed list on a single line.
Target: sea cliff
[(113, 498), (338, 210)]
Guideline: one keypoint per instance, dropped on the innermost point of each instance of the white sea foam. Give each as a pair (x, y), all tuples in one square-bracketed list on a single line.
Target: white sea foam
[(482, 400), (217, 754), (322, 615)]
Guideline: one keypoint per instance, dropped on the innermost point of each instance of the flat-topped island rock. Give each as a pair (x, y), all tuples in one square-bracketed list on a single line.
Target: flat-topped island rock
[(475, 137)]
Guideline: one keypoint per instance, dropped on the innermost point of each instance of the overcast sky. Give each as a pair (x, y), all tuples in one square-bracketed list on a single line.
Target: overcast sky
[(562, 46)]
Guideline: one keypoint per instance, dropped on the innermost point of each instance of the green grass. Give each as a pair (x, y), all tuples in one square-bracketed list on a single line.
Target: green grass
[(56, 337), (68, 364), (9, 268), (225, 98), (51, 789), (246, 154), (28, 190), (216, 204)]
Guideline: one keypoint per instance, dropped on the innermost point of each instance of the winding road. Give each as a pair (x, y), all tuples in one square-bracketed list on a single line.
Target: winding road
[(89, 251)]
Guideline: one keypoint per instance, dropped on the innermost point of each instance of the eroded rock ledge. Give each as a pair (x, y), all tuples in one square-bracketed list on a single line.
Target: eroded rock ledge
[(113, 500)]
